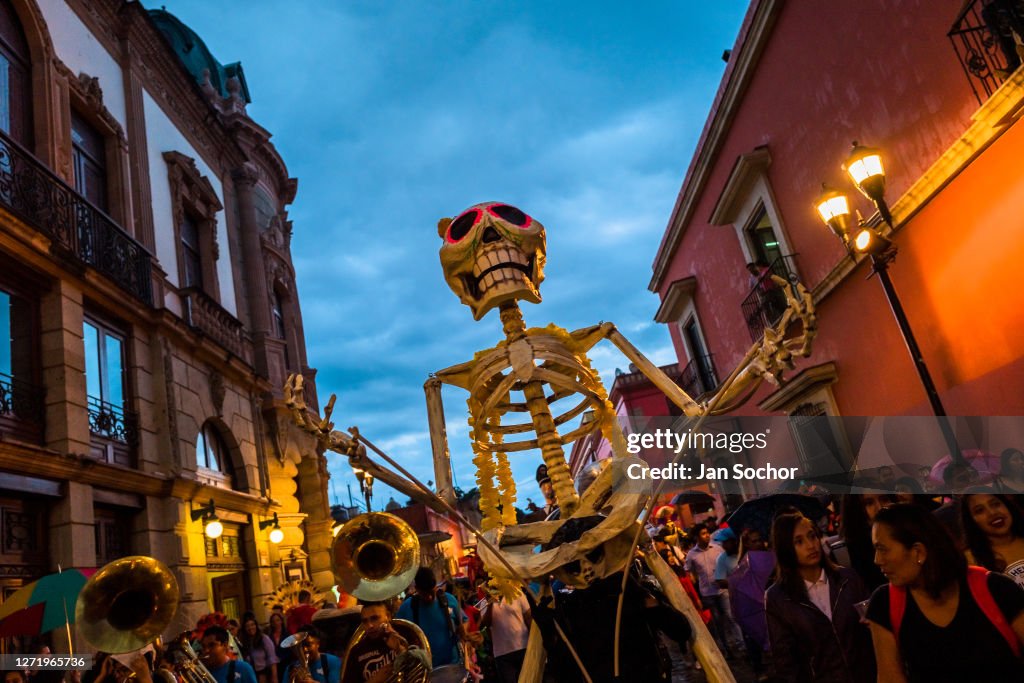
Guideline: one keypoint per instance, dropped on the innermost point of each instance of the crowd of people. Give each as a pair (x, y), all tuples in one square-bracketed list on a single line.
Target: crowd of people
[(896, 582), (900, 580)]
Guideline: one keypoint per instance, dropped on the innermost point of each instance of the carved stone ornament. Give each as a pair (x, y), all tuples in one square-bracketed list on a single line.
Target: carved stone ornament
[(217, 391)]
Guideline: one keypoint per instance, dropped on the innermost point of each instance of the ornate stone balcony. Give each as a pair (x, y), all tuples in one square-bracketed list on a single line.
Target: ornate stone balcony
[(76, 228), (206, 316)]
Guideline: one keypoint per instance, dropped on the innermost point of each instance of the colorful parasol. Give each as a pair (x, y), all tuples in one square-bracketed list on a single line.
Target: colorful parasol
[(43, 605)]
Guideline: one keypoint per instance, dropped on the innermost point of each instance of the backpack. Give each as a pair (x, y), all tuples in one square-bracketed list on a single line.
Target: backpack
[(977, 583), (441, 598)]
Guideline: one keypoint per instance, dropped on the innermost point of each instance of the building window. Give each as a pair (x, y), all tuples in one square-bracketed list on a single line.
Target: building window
[(278, 313), (88, 155), (211, 453), (699, 374), (213, 459), (195, 206), (114, 428), (819, 439), (15, 79), (764, 243), (113, 534), (191, 253), (21, 398)]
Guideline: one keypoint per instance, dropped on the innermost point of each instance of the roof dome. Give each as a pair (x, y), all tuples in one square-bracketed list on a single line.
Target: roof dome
[(196, 57)]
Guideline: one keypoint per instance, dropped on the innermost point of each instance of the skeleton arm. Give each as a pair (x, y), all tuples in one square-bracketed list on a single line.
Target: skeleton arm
[(589, 336), (766, 359), (439, 440), (328, 439)]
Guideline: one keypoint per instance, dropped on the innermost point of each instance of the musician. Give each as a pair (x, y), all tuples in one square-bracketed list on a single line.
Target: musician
[(217, 659), (370, 660), (323, 667)]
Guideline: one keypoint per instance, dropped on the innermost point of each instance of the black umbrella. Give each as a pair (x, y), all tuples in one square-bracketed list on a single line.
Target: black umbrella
[(697, 500), (759, 513)]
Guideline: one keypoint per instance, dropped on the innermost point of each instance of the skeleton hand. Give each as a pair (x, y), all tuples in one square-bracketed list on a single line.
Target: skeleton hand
[(777, 351), (326, 437)]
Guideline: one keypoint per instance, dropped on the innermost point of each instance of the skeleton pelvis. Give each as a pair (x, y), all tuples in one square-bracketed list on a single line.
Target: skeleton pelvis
[(614, 536)]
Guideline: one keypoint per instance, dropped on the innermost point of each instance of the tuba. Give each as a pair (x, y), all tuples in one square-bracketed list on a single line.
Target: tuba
[(127, 604), (375, 556)]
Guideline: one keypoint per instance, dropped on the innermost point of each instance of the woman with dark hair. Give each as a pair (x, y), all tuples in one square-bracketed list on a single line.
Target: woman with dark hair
[(277, 630), (994, 529), (939, 620), (813, 625), (1011, 471), (258, 649), (857, 511)]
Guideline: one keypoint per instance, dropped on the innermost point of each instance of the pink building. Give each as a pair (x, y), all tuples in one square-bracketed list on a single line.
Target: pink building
[(930, 84)]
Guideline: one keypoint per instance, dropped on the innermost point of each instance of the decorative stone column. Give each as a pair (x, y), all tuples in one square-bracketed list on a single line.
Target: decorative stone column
[(245, 178)]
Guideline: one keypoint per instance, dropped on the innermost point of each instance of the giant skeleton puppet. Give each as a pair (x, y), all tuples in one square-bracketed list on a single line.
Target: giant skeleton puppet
[(493, 255)]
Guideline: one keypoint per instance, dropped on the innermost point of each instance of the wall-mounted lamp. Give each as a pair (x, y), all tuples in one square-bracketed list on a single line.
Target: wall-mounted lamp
[(276, 535), (208, 513)]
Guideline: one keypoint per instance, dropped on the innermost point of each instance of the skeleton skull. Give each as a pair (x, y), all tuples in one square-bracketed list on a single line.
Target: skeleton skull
[(492, 253)]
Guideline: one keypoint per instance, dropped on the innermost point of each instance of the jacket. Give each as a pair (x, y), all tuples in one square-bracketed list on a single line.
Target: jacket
[(807, 647)]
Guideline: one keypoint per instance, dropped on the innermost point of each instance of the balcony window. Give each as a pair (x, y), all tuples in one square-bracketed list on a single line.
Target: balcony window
[(114, 429), (278, 313), (21, 399), (766, 301), (15, 80), (699, 375), (191, 253), (195, 206), (764, 243), (89, 158)]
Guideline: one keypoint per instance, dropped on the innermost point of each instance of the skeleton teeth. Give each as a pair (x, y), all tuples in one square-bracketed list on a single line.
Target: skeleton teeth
[(496, 256)]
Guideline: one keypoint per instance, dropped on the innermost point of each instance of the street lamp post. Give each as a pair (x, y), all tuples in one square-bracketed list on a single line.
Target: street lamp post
[(864, 166)]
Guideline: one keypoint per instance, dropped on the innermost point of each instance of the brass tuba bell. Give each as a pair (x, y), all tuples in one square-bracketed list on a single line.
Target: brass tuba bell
[(375, 556), (127, 604)]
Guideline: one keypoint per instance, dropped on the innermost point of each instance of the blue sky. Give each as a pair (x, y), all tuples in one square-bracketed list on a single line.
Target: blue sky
[(394, 114)]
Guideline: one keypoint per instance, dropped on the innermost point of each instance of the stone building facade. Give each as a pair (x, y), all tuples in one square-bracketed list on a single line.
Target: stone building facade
[(149, 310)]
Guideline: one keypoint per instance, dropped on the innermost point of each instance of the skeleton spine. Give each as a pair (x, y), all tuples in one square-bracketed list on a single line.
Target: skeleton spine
[(543, 423)]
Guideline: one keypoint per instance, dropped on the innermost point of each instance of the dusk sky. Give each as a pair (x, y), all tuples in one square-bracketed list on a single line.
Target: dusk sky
[(394, 114)]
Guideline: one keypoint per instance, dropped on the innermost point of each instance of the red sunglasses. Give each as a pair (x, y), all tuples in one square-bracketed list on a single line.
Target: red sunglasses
[(461, 226)]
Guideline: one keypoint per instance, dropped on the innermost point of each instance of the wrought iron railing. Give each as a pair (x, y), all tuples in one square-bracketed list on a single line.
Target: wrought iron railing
[(766, 301), (987, 38), (205, 315), (22, 408), (699, 376), (75, 227), (113, 422)]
